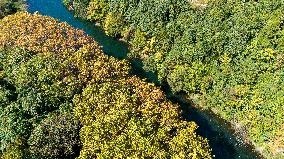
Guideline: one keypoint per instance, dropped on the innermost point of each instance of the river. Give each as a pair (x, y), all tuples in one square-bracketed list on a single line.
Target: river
[(224, 144)]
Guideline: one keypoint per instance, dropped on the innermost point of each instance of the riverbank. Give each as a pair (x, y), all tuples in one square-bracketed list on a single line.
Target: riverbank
[(225, 140), (222, 56), (225, 147), (62, 97)]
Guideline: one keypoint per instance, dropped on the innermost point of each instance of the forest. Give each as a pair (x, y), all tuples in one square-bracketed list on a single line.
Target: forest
[(61, 97), (226, 56)]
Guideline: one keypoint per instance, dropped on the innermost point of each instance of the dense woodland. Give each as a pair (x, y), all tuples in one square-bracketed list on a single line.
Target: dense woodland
[(11, 6), (62, 97), (225, 55)]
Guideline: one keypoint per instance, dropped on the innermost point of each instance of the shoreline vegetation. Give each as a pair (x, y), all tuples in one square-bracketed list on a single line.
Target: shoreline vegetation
[(226, 56), (62, 97)]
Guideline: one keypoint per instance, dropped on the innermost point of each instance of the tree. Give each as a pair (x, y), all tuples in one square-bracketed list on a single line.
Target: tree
[(131, 119), (57, 136), (215, 51), (50, 71), (11, 6)]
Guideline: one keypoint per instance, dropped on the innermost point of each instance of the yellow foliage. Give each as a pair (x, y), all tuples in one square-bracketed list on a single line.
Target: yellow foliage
[(130, 118), (122, 116)]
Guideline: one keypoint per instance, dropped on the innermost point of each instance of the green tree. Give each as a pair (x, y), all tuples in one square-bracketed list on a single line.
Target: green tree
[(57, 136), (218, 52), (47, 67), (11, 6)]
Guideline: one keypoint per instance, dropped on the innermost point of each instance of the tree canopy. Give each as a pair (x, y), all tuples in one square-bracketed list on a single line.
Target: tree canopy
[(226, 55), (8, 7), (62, 97)]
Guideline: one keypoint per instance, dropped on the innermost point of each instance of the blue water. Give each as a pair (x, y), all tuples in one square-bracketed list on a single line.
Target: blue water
[(223, 143), (56, 9)]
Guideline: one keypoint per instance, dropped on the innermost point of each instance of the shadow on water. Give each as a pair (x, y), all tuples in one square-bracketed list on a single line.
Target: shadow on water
[(55, 9), (221, 139), (224, 144)]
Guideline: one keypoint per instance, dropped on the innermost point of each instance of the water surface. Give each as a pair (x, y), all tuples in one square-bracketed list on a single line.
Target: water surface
[(222, 141)]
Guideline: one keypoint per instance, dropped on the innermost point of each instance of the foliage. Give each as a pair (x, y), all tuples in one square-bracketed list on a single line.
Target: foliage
[(131, 119), (15, 150), (11, 6), (47, 68), (78, 5), (226, 55), (113, 25), (57, 136), (40, 76), (97, 9)]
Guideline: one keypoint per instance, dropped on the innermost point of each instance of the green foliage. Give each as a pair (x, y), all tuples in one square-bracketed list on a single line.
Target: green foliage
[(57, 136), (226, 55), (97, 10), (14, 150), (12, 125), (114, 24), (6, 95), (39, 77), (67, 2), (48, 69), (80, 7), (11, 6)]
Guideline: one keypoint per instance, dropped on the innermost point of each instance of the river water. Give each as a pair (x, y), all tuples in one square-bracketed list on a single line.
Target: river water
[(221, 139)]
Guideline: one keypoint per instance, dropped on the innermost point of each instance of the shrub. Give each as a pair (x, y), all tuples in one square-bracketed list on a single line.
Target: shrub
[(80, 7)]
